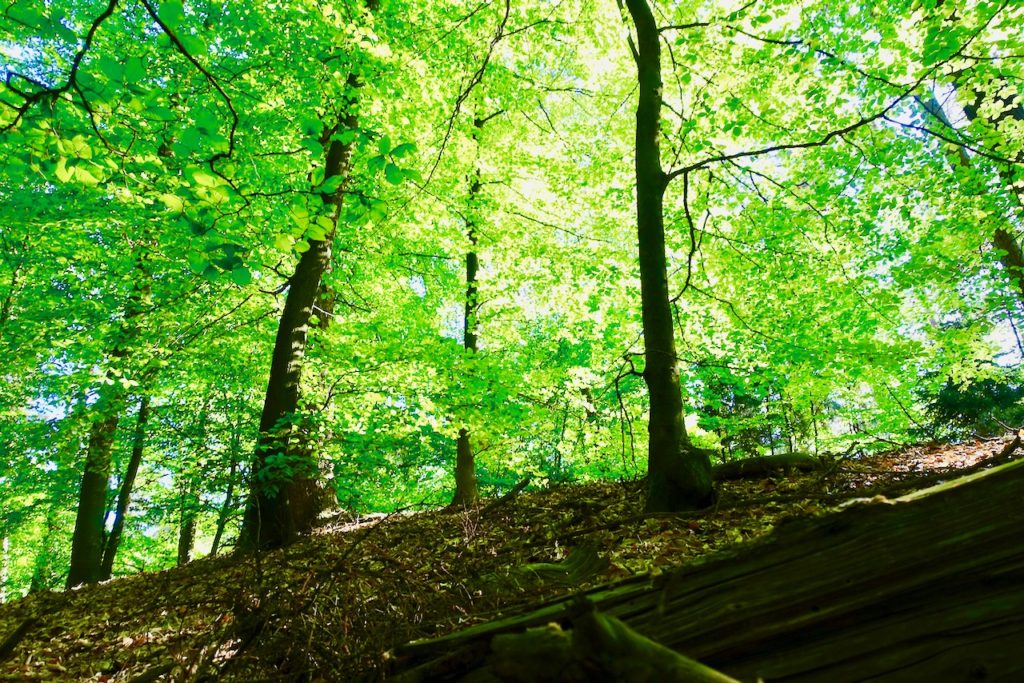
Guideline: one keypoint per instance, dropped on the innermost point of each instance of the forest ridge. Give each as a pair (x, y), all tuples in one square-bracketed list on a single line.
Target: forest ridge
[(262, 262)]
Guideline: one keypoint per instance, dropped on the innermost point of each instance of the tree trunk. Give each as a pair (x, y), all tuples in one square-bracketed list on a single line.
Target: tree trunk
[(5, 567), (465, 473), (186, 530), (225, 509), (12, 290), (234, 450), (125, 493), (927, 587), (678, 475), (286, 492), (88, 540), (466, 492)]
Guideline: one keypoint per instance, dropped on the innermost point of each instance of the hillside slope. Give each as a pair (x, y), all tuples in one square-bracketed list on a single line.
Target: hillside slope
[(333, 605)]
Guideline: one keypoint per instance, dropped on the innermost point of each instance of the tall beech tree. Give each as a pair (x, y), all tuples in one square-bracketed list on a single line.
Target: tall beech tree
[(287, 493), (89, 539), (124, 493), (466, 492), (678, 473)]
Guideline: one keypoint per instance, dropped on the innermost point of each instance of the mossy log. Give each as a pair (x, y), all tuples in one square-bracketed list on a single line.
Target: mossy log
[(763, 465), (927, 587)]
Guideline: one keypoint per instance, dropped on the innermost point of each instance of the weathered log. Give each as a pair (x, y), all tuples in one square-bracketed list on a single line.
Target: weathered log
[(762, 465), (927, 587)]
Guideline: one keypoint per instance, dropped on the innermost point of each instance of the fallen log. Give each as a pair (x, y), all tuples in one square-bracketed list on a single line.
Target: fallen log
[(762, 465), (926, 587)]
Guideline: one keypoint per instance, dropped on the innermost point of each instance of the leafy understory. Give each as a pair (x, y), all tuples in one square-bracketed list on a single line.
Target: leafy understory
[(331, 606)]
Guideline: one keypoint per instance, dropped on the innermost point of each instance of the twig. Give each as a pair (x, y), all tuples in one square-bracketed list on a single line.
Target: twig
[(11, 641), (516, 490)]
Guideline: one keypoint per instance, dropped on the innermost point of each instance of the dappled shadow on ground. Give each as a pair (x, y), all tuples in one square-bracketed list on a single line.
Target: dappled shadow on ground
[(332, 606)]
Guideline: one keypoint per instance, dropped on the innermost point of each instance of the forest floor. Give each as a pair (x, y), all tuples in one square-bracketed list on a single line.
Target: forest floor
[(334, 605)]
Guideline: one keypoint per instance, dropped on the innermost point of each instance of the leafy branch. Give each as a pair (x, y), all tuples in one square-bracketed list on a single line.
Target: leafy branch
[(45, 93)]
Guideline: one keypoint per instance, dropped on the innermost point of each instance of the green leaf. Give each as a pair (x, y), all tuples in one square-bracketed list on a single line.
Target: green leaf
[(283, 243), (134, 71), (403, 149), (384, 145), (241, 276), (316, 232), (311, 126), (171, 13), (207, 121), (194, 45), (64, 174), (378, 210), (84, 175), (173, 202), (376, 164), (161, 113), (299, 216), (111, 68), (393, 174), (346, 136), (198, 263), (28, 16), (313, 145), (202, 178), (331, 185)]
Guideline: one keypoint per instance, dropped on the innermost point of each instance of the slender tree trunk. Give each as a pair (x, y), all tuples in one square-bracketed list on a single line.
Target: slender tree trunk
[(88, 540), (814, 426), (678, 475), (187, 528), (12, 290), (5, 567), (42, 564), (225, 509), (125, 493), (466, 492)]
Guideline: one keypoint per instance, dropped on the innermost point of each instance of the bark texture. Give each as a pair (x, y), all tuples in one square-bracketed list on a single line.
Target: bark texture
[(88, 541), (678, 475), (186, 536), (287, 493), (124, 495), (285, 498), (927, 587)]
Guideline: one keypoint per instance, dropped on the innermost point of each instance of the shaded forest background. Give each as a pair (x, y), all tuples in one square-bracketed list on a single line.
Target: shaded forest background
[(261, 264)]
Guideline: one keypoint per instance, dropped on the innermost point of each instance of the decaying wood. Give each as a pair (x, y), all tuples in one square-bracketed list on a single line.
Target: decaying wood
[(598, 648), (927, 587), (765, 464), (582, 564)]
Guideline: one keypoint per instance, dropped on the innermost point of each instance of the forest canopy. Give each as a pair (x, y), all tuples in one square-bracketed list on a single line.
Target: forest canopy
[(264, 261)]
